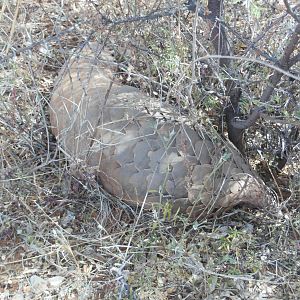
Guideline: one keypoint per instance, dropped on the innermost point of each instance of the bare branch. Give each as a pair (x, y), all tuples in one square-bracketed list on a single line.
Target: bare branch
[(233, 91), (290, 11), (49, 39), (259, 112), (218, 34), (294, 60), (251, 119), (191, 6), (283, 64), (106, 22), (276, 68)]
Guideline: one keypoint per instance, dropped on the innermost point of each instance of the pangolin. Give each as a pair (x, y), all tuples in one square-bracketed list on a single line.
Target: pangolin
[(144, 159)]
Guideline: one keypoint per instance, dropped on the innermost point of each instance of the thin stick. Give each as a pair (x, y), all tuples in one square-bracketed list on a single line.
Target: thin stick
[(13, 27)]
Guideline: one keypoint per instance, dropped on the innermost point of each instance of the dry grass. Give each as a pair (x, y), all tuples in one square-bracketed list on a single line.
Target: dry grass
[(61, 238)]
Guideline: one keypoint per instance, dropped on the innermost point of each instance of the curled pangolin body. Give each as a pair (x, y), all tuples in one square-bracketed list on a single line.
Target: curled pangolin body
[(139, 157)]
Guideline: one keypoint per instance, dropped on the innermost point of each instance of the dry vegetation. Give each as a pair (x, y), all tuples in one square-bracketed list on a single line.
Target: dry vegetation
[(62, 239)]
